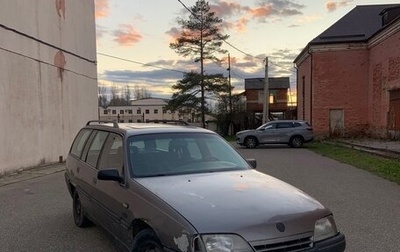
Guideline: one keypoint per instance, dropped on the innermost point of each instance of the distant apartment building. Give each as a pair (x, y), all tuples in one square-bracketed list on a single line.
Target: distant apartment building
[(48, 76), (143, 110)]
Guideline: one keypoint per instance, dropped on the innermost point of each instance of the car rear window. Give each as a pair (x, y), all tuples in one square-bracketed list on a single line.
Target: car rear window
[(79, 142)]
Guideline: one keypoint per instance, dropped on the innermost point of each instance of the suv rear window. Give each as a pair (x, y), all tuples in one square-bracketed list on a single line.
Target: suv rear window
[(80, 141)]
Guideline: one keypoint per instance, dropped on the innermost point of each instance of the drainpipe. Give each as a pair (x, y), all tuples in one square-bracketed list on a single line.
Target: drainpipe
[(311, 86)]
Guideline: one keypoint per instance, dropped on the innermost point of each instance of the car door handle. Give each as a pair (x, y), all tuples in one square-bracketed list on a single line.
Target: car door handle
[(125, 205)]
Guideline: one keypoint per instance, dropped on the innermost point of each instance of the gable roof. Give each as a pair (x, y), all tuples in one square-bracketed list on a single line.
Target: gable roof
[(356, 26), (274, 83)]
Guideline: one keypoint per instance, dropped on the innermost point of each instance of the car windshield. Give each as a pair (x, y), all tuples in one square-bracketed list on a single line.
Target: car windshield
[(264, 126), (173, 154)]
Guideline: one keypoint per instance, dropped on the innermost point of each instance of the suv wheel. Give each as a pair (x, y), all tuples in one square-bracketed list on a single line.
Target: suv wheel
[(146, 241), (296, 142), (79, 216), (250, 142)]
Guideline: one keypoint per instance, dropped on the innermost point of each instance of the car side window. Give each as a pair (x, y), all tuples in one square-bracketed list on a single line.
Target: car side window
[(95, 148), (79, 142), (270, 126), (113, 154), (285, 125)]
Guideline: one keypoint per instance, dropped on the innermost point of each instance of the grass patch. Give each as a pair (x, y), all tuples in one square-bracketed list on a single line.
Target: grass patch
[(381, 166), (229, 138)]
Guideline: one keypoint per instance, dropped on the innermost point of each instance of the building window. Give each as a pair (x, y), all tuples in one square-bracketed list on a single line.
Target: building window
[(121, 121), (147, 111), (156, 111), (121, 111), (138, 112), (130, 120), (130, 111), (114, 112), (164, 110), (106, 112)]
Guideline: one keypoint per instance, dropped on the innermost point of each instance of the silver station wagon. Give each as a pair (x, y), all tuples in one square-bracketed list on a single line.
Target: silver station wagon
[(160, 187)]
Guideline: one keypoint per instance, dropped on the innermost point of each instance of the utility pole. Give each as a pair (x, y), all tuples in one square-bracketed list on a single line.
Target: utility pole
[(266, 94), (230, 85), (230, 131)]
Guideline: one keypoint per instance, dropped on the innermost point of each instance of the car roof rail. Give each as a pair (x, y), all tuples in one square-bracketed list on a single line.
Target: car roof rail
[(165, 121), (114, 123)]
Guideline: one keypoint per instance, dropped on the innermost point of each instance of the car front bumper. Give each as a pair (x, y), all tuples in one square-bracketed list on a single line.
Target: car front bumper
[(334, 244)]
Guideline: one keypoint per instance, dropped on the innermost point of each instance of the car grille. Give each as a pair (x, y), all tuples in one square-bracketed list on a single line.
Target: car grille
[(292, 245)]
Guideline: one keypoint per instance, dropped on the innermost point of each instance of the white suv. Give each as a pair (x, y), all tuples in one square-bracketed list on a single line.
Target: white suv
[(292, 132)]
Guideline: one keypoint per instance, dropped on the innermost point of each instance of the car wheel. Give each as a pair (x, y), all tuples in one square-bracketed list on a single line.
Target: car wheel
[(79, 215), (146, 241), (296, 142), (250, 142)]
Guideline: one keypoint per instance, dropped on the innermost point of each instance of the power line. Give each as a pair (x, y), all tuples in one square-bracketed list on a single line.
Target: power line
[(234, 47), (46, 43), (139, 63), (47, 63)]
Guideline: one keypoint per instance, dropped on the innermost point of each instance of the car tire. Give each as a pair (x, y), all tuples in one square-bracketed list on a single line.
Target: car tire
[(250, 142), (146, 241), (296, 141), (79, 215)]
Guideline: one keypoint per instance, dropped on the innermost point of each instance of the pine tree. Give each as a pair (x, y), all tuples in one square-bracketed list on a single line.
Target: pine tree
[(200, 39)]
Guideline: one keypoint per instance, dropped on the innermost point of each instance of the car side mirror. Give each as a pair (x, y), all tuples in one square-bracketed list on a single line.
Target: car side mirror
[(252, 162), (109, 174)]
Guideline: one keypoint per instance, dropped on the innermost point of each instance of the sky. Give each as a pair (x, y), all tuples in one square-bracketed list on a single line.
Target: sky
[(133, 38)]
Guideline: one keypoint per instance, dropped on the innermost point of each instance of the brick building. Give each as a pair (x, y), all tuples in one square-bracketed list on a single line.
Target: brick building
[(278, 96), (348, 77)]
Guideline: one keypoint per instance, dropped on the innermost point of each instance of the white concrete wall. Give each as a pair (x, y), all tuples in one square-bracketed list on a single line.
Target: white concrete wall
[(41, 110)]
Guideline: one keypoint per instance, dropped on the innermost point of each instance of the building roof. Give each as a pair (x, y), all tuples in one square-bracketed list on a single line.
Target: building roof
[(149, 102), (274, 83), (359, 25)]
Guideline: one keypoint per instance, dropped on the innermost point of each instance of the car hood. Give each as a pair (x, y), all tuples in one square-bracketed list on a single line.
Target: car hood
[(247, 202), (246, 131)]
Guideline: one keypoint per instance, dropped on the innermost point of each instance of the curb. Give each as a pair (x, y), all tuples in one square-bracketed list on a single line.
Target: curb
[(28, 174), (373, 150)]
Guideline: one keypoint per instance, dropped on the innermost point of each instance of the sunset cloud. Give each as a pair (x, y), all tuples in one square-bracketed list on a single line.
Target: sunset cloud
[(102, 8), (127, 35), (334, 5), (237, 16)]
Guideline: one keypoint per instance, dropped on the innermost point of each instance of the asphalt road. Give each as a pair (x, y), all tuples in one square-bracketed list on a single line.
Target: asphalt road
[(36, 215), (366, 207)]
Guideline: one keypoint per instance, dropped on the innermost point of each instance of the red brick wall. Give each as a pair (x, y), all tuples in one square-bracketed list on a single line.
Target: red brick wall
[(384, 76), (304, 90), (339, 81)]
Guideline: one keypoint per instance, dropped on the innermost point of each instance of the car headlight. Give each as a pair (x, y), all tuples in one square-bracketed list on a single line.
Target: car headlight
[(225, 243), (324, 228)]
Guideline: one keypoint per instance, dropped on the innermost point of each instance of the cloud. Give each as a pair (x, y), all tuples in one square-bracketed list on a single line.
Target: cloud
[(102, 8), (100, 31), (127, 35), (237, 16), (271, 8), (159, 76), (334, 5)]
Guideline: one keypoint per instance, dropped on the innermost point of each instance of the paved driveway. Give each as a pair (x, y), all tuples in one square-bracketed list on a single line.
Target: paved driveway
[(366, 207)]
